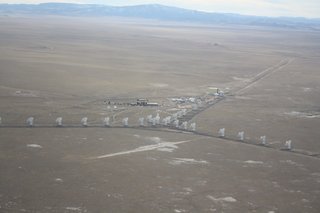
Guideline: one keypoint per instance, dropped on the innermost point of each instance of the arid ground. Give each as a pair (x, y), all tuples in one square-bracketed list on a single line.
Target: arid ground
[(69, 67)]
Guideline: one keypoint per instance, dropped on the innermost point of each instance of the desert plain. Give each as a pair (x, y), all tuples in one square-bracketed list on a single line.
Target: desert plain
[(69, 67)]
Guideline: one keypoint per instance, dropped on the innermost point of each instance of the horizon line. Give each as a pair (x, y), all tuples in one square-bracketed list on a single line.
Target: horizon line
[(163, 5)]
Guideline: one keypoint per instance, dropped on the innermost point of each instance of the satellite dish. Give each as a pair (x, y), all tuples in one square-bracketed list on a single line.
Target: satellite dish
[(157, 119), (59, 122), (222, 133), (141, 121), (30, 121), (176, 123), (149, 119), (184, 125), (288, 145), (241, 136), (125, 122), (84, 121), (193, 127), (106, 121), (263, 140)]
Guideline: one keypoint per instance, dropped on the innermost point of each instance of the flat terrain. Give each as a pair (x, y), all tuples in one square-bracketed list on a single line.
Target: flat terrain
[(68, 67)]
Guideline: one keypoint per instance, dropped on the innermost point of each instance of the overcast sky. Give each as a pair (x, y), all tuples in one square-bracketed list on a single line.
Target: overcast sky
[(304, 8)]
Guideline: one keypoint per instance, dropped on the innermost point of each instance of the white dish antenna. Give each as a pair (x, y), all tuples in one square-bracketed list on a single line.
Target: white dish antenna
[(30, 121), (59, 121), (84, 121), (222, 132)]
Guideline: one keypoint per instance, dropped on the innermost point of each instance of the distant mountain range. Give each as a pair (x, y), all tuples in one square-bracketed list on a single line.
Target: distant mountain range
[(155, 11)]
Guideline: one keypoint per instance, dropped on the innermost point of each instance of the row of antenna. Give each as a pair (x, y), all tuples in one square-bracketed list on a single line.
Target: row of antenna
[(154, 121), (263, 139), (150, 120)]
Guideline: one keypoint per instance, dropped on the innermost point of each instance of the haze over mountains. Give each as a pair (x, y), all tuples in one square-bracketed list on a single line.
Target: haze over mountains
[(155, 11)]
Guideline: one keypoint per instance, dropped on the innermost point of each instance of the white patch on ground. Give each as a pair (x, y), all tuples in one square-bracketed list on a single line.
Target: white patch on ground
[(201, 182), (78, 209), (25, 93), (179, 161), (306, 89), (34, 146), (241, 79), (165, 149), (303, 114), (179, 210), (84, 138), (137, 136), (100, 139), (187, 189), (275, 184), (160, 146), (152, 158), (305, 200), (154, 139), (243, 97), (222, 199), (158, 85), (253, 162), (291, 163), (115, 196), (59, 180)]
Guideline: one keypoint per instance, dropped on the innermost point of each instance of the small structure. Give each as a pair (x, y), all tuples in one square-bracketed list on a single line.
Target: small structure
[(142, 102), (152, 104), (213, 90)]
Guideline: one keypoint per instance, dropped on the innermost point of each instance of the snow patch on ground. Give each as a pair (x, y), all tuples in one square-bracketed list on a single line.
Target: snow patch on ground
[(160, 146), (154, 139), (240, 79), (78, 209), (303, 114), (59, 180), (34, 146), (290, 162), (179, 210), (253, 162), (222, 199), (179, 161), (158, 85)]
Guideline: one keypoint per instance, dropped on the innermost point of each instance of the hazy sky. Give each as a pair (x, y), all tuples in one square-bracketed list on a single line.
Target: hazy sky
[(305, 8)]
